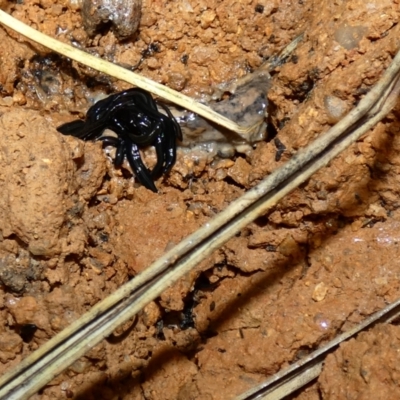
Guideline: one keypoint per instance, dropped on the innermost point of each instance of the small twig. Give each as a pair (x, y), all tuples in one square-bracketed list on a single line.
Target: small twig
[(62, 350), (122, 74), (304, 371)]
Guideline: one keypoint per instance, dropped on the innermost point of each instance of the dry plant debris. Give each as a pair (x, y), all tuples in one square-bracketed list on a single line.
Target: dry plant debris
[(315, 265)]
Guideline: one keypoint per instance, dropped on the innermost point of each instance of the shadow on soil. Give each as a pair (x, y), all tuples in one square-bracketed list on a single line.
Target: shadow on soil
[(129, 380)]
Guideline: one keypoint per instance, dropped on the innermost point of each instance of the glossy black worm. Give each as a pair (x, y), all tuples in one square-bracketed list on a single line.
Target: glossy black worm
[(136, 119)]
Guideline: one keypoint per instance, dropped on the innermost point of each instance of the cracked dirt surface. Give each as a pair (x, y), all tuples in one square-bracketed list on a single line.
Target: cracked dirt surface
[(73, 228)]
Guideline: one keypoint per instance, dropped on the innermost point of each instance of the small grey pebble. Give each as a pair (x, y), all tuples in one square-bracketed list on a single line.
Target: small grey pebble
[(124, 16)]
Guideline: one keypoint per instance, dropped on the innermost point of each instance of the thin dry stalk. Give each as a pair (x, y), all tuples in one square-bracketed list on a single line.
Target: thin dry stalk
[(123, 74), (57, 354), (304, 371)]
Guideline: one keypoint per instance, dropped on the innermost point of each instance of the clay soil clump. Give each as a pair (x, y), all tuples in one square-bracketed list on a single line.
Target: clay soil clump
[(74, 228)]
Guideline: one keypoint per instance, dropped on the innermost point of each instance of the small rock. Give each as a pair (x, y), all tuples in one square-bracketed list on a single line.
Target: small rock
[(124, 16), (320, 292)]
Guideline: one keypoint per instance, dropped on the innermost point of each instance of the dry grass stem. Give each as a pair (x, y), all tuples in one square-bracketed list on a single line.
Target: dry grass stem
[(123, 74), (57, 354)]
